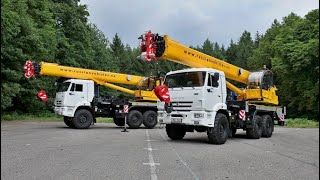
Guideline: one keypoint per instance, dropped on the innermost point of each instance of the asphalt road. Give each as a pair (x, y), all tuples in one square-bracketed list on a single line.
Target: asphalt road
[(50, 150)]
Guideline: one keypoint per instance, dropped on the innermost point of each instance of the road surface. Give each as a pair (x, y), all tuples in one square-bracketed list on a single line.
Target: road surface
[(50, 150)]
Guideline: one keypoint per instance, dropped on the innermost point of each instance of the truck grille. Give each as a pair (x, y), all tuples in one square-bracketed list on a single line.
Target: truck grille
[(182, 105), (58, 103)]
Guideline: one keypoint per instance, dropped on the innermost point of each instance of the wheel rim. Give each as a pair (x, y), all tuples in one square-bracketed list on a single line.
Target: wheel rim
[(135, 119), (221, 130), (268, 124), (82, 119), (151, 119)]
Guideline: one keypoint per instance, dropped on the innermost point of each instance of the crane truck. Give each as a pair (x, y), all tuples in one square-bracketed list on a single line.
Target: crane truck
[(197, 99), (78, 99)]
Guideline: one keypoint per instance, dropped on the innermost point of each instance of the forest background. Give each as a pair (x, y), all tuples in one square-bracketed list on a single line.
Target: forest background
[(59, 31)]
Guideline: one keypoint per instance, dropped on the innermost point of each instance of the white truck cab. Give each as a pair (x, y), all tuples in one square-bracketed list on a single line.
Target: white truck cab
[(72, 94), (196, 96)]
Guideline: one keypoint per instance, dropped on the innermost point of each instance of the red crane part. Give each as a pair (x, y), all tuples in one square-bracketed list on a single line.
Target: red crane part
[(43, 96), (162, 92), (29, 69)]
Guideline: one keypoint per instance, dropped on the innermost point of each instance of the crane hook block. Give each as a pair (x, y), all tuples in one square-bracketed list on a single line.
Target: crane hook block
[(29, 69), (43, 95), (148, 47)]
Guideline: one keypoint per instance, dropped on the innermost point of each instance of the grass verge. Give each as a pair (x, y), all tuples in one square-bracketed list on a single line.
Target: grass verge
[(43, 117), (301, 123)]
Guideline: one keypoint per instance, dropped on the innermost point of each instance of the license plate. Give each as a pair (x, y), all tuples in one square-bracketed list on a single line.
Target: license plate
[(176, 120)]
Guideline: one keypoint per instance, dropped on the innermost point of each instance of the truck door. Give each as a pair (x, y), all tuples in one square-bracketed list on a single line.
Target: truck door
[(78, 92), (213, 94)]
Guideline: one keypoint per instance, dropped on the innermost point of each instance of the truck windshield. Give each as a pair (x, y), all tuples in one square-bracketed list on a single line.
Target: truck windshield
[(63, 87), (187, 79)]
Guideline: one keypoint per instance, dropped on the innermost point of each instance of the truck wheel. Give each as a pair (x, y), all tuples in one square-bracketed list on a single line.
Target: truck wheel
[(219, 133), (233, 131), (135, 119), (68, 121), (118, 121), (150, 119), (267, 126), (82, 119), (176, 131), (256, 130)]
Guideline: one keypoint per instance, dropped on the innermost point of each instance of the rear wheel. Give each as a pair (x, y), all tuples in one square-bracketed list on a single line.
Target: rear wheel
[(68, 121), (82, 119), (150, 119), (176, 131), (256, 131), (135, 119), (219, 133), (267, 126), (118, 121), (233, 131)]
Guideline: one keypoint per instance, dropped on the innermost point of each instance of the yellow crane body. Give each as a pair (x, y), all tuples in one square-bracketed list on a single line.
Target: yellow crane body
[(103, 78), (168, 49)]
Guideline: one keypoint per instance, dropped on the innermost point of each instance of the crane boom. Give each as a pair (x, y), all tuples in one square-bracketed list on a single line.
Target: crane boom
[(108, 79), (166, 48), (154, 46), (53, 69)]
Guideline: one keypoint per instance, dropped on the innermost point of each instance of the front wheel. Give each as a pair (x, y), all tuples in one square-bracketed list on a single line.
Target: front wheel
[(82, 119), (219, 133), (176, 131), (150, 119), (68, 121)]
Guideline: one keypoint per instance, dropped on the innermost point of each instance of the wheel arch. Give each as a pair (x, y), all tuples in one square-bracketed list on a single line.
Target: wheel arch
[(89, 109)]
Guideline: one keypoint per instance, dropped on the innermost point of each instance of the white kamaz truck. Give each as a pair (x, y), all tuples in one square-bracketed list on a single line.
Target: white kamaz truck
[(199, 99)]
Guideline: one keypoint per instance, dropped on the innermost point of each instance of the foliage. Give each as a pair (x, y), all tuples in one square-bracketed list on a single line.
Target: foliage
[(301, 123), (59, 31), (291, 48)]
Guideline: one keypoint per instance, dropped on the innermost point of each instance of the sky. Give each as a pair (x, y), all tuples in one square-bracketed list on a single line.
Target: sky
[(191, 22)]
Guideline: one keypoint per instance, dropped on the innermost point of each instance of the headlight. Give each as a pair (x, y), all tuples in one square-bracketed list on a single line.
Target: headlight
[(198, 115), (160, 114)]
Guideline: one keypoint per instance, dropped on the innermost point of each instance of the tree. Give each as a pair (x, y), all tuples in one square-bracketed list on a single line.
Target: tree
[(26, 33)]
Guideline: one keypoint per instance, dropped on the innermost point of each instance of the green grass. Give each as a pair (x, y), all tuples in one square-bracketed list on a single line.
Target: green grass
[(43, 117), (30, 117), (301, 123), (290, 123), (104, 120)]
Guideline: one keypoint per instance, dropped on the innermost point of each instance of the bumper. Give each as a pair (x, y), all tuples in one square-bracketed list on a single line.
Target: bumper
[(64, 111), (195, 118)]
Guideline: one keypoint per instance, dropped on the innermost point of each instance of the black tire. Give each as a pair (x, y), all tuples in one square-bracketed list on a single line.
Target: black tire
[(219, 133), (281, 123), (82, 119), (256, 131), (233, 131), (135, 119), (118, 121), (150, 119), (68, 121), (267, 126), (176, 131)]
